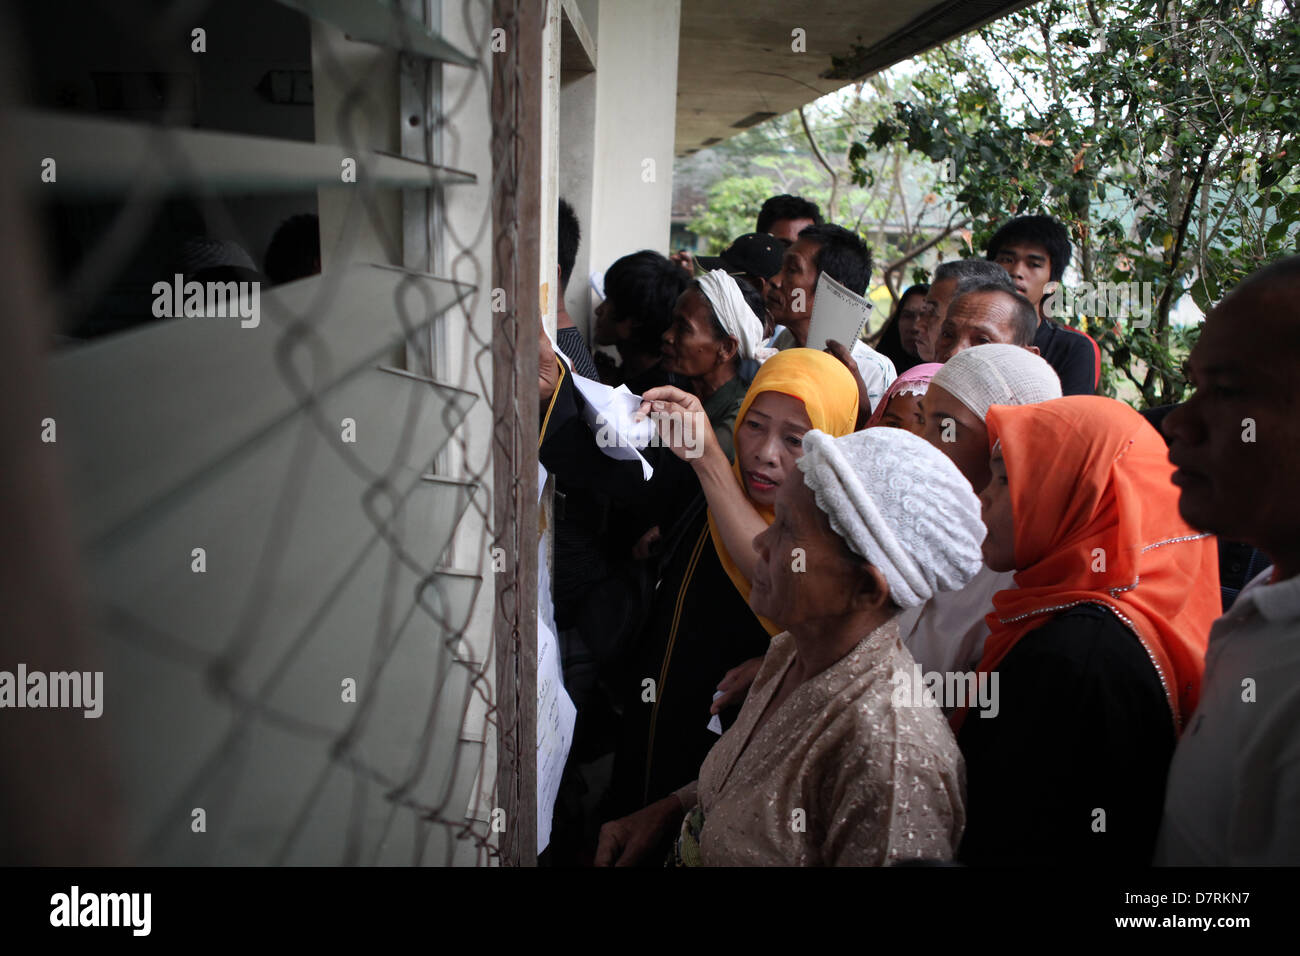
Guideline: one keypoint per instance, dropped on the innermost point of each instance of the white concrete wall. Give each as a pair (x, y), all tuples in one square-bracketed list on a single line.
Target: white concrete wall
[(577, 149), (636, 116)]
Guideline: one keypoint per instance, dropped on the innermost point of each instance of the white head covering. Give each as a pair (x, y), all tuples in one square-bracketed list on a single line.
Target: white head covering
[(997, 375), (735, 315), (898, 502)]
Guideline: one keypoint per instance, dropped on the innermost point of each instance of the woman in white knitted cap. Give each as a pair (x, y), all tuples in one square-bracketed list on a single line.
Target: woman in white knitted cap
[(972, 381), (946, 634), (825, 764), (714, 330)]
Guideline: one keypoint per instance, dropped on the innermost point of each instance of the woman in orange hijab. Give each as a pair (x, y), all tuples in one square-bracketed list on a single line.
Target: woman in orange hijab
[(1095, 658), (700, 624)]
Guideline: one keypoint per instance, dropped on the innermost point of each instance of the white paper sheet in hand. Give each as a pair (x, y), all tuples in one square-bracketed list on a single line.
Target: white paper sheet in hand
[(609, 413), (837, 314), (715, 722), (611, 409)]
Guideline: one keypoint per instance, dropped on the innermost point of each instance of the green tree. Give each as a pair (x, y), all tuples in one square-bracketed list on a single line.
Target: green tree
[(806, 152), (1163, 134), (729, 211)]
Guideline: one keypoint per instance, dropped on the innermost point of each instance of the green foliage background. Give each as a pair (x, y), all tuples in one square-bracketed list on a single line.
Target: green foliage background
[(1163, 134)]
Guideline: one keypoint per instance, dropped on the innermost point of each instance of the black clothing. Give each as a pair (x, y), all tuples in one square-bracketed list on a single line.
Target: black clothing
[(568, 449), (572, 345), (699, 627), (1083, 725), (1072, 354)]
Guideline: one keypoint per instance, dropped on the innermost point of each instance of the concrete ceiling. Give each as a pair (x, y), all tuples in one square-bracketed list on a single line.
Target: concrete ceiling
[(735, 64)]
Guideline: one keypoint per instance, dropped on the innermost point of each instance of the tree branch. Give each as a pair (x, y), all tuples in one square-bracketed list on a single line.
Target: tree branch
[(835, 178), (911, 254), (1047, 54)]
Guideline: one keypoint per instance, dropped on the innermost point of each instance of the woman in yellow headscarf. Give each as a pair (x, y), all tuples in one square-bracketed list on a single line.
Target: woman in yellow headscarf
[(700, 625)]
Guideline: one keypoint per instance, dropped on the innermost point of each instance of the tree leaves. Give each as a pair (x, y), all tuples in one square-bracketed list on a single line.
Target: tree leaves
[(1166, 152)]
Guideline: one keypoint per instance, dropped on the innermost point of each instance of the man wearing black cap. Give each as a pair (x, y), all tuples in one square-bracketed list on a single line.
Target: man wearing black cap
[(754, 257)]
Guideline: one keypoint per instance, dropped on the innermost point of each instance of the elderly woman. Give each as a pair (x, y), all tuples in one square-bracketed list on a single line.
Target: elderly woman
[(1099, 647), (827, 763), (947, 633), (715, 327), (700, 625), (608, 515)]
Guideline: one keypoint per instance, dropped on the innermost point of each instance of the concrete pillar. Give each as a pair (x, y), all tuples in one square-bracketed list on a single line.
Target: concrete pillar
[(636, 119)]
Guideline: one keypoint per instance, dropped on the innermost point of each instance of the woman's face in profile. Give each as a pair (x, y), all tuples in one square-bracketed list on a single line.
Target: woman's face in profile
[(909, 329), (995, 508), (805, 574), (768, 443)]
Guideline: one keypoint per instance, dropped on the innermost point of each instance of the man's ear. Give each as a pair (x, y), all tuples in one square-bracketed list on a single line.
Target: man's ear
[(1032, 348)]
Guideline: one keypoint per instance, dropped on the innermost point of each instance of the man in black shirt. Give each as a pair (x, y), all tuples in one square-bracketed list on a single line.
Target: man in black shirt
[(1035, 251)]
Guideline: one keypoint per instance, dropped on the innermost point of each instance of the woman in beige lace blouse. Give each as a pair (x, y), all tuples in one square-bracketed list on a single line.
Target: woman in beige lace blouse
[(830, 761)]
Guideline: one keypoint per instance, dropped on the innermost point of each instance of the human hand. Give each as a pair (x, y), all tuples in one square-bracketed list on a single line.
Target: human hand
[(683, 424), (839, 351), (735, 684), (548, 367), (629, 840), (641, 550)]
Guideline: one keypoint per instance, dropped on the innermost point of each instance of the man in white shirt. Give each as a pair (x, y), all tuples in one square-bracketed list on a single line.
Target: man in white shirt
[(1234, 784), (846, 259)]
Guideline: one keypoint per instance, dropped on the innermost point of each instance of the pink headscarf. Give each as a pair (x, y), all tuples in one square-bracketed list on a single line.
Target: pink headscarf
[(914, 381)]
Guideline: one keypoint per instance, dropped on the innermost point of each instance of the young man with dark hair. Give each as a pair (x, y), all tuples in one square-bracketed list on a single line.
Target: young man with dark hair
[(986, 314), (785, 216), (641, 291), (567, 336), (844, 257), (1035, 251), (1233, 796)]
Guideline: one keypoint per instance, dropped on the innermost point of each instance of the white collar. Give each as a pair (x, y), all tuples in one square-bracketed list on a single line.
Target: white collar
[(1274, 602)]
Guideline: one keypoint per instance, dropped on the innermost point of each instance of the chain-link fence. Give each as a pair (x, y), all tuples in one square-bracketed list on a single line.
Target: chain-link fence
[(284, 446)]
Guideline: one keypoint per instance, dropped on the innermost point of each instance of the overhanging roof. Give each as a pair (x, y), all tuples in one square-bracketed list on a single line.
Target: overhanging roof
[(736, 68)]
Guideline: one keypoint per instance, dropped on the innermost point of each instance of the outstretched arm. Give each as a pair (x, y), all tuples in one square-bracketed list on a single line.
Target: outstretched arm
[(684, 427)]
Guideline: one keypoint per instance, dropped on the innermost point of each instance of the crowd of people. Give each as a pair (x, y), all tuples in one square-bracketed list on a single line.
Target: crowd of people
[(931, 602)]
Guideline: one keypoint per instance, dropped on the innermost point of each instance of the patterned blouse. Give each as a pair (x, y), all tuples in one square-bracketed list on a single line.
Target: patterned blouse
[(838, 774)]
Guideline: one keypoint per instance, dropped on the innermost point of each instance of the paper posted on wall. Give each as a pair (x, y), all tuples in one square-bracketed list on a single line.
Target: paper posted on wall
[(838, 313), (556, 714)]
